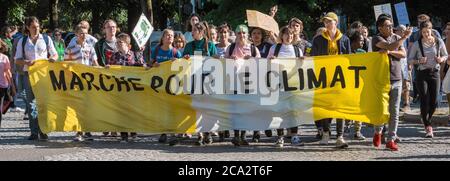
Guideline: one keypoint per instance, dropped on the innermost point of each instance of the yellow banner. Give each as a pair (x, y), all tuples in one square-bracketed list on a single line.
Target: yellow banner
[(74, 97)]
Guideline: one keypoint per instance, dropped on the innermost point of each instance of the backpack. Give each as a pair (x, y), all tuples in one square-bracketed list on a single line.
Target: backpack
[(233, 46), (24, 42), (421, 47), (278, 48), (174, 52)]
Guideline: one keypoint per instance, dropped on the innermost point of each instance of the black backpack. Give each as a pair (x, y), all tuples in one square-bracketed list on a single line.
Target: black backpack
[(233, 46), (437, 50), (278, 48)]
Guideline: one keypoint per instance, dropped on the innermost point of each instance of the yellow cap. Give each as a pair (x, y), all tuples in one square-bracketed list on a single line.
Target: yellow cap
[(330, 16)]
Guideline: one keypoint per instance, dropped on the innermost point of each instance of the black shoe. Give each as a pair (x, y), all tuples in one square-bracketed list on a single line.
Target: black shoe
[(209, 139), (162, 138), (43, 137), (236, 141), (256, 138), (227, 134), (33, 137), (268, 133), (244, 142), (200, 141), (174, 142)]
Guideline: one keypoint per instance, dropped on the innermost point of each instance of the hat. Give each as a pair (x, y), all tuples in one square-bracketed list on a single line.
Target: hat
[(330, 16), (241, 28)]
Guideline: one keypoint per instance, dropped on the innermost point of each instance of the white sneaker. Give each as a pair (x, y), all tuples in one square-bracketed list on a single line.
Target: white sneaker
[(340, 142), (17, 109), (78, 138), (325, 138), (280, 142), (295, 140)]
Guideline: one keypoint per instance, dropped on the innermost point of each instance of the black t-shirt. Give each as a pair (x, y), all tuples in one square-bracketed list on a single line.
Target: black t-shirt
[(396, 66)]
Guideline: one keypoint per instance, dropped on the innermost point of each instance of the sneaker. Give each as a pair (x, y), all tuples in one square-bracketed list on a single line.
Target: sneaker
[(208, 140), (174, 142), (325, 138), (392, 146), (377, 140), (268, 133), (33, 137), (244, 142), (280, 142), (221, 137), (236, 141), (227, 134), (17, 109), (43, 137), (359, 136), (340, 142), (296, 141), (256, 137), (162, 138), (200, 141), (78, 138), (429, 132)]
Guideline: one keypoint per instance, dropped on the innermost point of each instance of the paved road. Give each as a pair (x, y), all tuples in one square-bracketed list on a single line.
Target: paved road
[(14, 146)]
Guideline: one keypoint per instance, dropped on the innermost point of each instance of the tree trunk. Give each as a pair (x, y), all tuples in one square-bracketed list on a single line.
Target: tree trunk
[(133, 14), (149, 10), (54, 14)]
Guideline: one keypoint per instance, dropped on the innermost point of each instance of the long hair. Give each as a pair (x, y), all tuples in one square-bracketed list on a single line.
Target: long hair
[(189, 26), (203, 28), (424, 25), (164, 34), (28, 22), (284, 30), (3, 47)]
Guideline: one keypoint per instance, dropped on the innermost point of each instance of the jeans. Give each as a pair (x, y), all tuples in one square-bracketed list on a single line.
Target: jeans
[(394, 110), (31, 106)]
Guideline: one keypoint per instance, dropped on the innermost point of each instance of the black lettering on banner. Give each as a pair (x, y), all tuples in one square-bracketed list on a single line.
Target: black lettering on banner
[(312, 79), (102, 83), (89, 77), (286, 83), (61, 84), (169, 80), (136, 84), (76, 81), (121, 81), (301, 77), (156, 83), (338, 76), (357, 69)]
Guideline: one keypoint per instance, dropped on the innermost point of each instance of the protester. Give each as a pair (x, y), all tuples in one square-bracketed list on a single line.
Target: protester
[(300, 38), (224, 42), (193, 20), (179, 42), (428, 52), (91, 40), (34, 46), (213, 34), (286, 49), (242, 49), (6, 81), (82, 53), (331, 42), (106, 47), (388, 42), (59, 44)]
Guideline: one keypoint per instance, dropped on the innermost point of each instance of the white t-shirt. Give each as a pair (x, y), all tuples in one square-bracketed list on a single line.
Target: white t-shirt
[(89, 40), (286, 51), (36, 51), (84, 55)]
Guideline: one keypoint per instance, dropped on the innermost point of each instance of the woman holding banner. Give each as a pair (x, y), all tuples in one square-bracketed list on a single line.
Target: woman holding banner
[(242, 49), (286, 49)]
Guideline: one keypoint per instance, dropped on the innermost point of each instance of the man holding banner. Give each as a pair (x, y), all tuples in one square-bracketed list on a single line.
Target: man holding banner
[(331, 42)]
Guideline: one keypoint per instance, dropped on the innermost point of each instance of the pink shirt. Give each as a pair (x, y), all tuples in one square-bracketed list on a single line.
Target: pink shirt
[(241, 52), (4, 67)]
